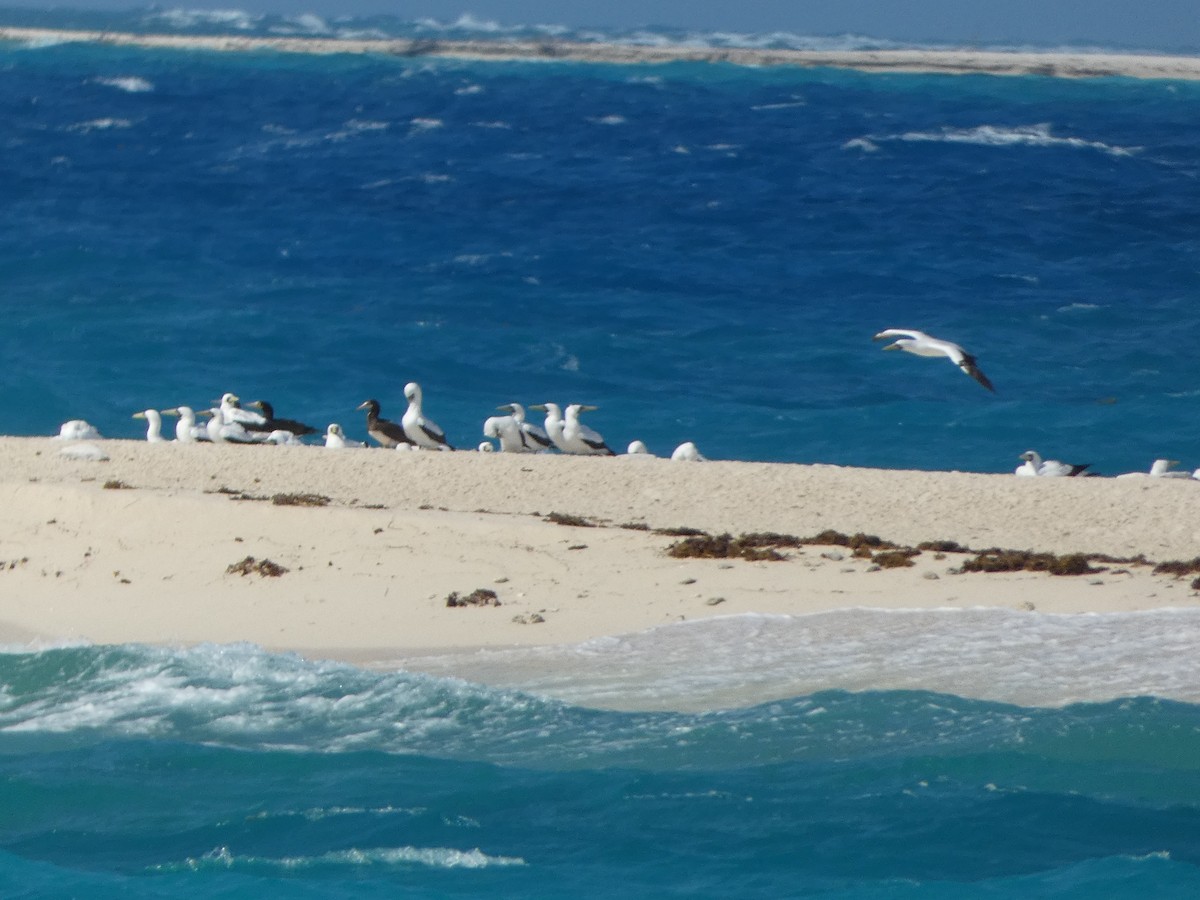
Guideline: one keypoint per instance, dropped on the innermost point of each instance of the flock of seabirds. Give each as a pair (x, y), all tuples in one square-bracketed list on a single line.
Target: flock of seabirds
[(562, 430)]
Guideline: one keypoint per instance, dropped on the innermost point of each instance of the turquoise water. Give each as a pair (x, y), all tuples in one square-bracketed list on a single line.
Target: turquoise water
[(229, 772), (704, 252)]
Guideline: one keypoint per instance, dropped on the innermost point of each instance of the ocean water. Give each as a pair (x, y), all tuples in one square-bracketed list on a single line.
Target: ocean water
[(704, 252)]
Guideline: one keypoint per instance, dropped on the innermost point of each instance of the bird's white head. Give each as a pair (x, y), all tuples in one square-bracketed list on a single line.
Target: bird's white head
[(412, 392)]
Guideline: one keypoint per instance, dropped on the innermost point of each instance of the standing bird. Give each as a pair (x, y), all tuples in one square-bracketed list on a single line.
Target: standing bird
[(921, 344), (335, 439), (229, 432), (384, 432), (687, 452), (421, 431), (554, 423), (78, 430), (535, 437), (153, 425), (274, 424), (186, 429), (1034, 465), (578, 438)]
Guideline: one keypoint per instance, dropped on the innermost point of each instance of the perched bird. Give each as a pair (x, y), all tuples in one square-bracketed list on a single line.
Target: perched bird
[(921, 344), (507, 431), (487, 447), (186, 429), (535, 436), (638, 448), (274, 424), (1034, 465), (687, 452), (421, 431), (281, 437), (554, 423), (153, 425), (335, 439), (228, 432), (1162, 469), (578, 438), (231, 412), (78, 430), (384, 432)]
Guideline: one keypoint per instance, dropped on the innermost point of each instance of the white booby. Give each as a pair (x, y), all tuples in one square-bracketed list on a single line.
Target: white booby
[(153, 425), (78, 430), (535, 436), (1034, 465), (578, 438), (554, 423), (507, 431), (228, 432), (281, 437), (384, 432), (421, 431), (1162, 469), (335, 439), (487, 447), (687, 452), (921, 344), (231, 412), (273, 424), (638, 448), (186, 429)]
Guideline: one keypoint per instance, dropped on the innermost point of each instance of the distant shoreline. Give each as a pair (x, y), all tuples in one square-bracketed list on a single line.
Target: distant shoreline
[(951, 62)]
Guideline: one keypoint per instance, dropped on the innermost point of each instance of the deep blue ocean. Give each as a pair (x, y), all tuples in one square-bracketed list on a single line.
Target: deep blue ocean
[(704, 252)]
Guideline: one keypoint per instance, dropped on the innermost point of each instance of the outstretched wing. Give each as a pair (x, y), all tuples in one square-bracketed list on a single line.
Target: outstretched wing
[(968, 365)]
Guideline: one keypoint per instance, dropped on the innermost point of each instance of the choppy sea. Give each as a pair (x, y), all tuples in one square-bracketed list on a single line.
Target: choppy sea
[(703, 251)]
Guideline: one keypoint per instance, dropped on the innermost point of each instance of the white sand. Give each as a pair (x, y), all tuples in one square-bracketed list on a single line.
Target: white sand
[(965, 61), (148, 563)]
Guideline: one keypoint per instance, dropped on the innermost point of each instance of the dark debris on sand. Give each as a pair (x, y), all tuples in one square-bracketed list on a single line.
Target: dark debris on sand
[(477, 597), (249, 565)]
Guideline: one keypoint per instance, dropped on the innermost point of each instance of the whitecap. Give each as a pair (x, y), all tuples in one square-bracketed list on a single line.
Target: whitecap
[(99, 125), (131, 84), (608, 120), (192, 18), (432, 857), (422, 123), (1006, 136)]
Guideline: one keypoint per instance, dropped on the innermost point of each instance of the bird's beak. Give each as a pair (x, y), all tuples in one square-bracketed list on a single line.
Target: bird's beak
[(139, 415), (879, 337), (586, 408), (257, 404), (507, 407), (170, 412), (362, 405), (892, 347), (204, 412), (539, 407)]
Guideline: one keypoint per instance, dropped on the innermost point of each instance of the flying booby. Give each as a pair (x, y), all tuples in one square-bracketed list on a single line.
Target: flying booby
[(274, 424), (1034, 465), (921, 344), (335, 439), (153, 425), (421, 431), (687, 452), (186, 429), (507, 431), (384, 432), (580, 439), (535, 437)]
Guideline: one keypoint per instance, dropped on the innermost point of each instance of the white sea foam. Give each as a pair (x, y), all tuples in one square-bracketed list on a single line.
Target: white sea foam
[(987, 654), (1039, 135), (131, 84), (192, 18), (100, 125), (432, 857)]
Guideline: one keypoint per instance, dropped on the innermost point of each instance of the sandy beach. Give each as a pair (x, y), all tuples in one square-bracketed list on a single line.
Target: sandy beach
[(957, 61), (151, 545)]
